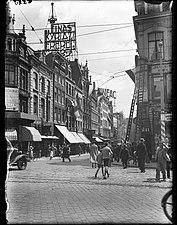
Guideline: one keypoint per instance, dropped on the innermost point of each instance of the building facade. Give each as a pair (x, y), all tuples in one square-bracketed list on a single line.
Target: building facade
[(48, 97), (153, 31)]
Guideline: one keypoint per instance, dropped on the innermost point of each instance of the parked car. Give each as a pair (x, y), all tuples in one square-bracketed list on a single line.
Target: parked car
[(15, 157)]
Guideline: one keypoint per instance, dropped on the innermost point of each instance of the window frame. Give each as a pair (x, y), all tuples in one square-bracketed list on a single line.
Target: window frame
[(155, 55)]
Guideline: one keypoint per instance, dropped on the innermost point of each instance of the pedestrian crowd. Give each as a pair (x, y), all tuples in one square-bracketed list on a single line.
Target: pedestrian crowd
[(103, 154), (101, 157)]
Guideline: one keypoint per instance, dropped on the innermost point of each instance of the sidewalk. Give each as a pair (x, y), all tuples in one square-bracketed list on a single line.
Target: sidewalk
[(59, 157)]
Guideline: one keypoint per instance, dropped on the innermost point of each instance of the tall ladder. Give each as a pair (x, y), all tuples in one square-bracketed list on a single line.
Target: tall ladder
[(139, 103), (130, 116)]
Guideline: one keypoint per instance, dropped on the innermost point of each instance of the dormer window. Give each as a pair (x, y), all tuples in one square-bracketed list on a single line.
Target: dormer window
[(11, 44), (152, 8)]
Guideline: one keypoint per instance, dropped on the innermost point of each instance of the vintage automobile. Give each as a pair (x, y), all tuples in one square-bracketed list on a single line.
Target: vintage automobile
[(15, 157)]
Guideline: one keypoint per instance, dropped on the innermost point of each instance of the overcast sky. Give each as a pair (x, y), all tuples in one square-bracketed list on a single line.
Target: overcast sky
[(114, 49)]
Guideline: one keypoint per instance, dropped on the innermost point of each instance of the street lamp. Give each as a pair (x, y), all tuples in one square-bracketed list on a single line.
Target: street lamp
[(162, 122)]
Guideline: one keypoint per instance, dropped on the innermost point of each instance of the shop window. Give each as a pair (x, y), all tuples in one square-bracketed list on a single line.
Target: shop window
[(154, 40)]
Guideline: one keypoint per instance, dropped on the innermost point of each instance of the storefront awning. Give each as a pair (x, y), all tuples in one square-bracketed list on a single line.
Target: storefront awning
[(98, 140), (49, 137), (67, 134), (11, 134), (79, 139), (30, 134), (84, 138), (104, 139)]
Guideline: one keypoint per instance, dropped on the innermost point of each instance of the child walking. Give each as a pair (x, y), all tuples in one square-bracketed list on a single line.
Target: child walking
[(99, 160)]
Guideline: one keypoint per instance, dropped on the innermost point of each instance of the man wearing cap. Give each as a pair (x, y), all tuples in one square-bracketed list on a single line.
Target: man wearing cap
[(141, 153)]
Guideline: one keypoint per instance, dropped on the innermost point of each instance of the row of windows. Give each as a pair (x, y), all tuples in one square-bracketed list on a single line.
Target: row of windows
[(59, 79), (59, 96), (42, 83), (147, 8), (59, 115), (69, 89), (45, 106)]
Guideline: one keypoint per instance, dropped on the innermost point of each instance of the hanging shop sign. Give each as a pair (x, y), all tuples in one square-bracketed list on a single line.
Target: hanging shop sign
[(107, 92), (12, 99), (61, 37)]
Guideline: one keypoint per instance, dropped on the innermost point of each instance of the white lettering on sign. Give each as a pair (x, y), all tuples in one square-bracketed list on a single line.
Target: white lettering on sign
[(107, 92), (12, 99), (166, 68), (61, 37), (168, 117)]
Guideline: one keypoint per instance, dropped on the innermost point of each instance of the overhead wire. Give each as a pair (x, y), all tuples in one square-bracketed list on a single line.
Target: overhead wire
[(122, 50), (114, 57), (83, 26), (101, 31), (32, 28)]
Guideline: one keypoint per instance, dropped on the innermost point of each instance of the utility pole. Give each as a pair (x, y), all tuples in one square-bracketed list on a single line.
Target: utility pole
[(162, 115)]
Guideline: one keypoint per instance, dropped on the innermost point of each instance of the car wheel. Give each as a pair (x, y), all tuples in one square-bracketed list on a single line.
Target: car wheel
[(22, 164)]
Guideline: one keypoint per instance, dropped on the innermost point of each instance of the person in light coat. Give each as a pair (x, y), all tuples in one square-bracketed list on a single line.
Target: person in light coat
[(93, 154), (161, 158)]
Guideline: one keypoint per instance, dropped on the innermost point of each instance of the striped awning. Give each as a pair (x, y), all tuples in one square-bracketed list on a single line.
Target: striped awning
[(11, 134), (98, 140), (79, 139), (30, 134), (67, 134), (84, 138)]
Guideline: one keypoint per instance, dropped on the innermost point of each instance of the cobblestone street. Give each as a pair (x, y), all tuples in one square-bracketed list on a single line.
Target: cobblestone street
[(50, 191)]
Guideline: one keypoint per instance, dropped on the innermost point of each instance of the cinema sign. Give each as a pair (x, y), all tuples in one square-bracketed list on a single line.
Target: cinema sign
[(107, 92), (61, 37)]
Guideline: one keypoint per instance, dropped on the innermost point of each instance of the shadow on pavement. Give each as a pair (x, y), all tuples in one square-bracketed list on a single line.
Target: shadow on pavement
[(153, 180), (13, 169)]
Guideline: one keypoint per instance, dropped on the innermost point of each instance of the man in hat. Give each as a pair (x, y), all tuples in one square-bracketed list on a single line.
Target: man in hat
[(141, 154), (124, 155)]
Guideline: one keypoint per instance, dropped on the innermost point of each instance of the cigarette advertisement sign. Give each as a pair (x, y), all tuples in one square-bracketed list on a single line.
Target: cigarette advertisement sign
[(12, 99), (61, 37)]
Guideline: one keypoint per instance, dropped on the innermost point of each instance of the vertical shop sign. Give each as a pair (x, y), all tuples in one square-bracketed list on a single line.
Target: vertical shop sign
[(12, 99)]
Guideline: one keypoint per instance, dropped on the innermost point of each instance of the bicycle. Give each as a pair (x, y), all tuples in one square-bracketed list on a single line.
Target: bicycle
[(167, 205)]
